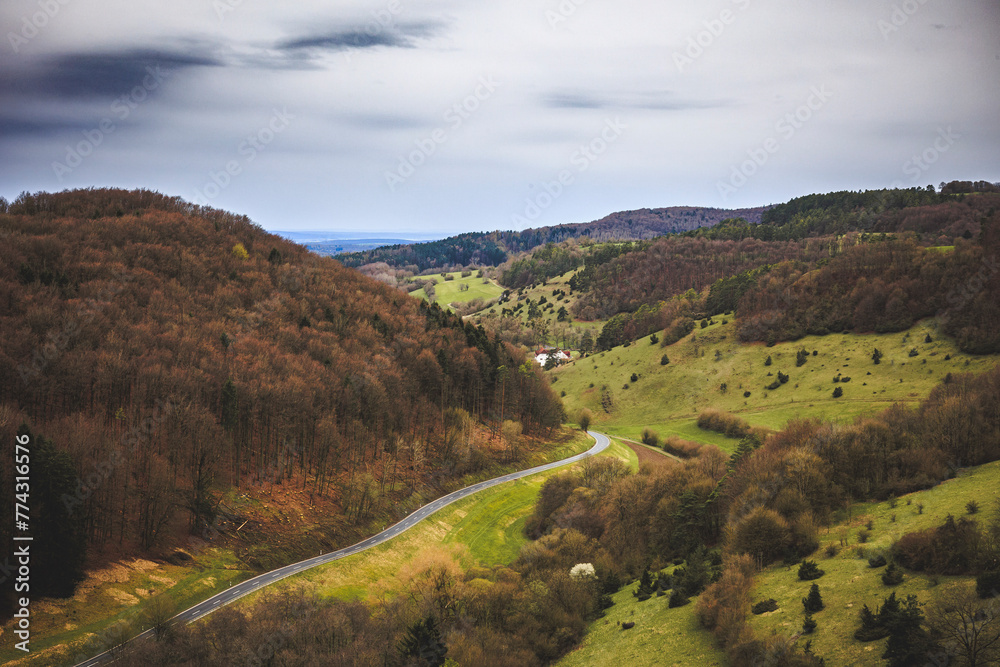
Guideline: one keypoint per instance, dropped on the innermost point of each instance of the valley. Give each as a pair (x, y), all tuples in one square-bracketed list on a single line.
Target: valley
[(770, 402)]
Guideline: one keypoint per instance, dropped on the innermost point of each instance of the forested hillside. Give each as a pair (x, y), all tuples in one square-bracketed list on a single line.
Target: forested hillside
[(878, 268), (493, 248), (825, 214), (162, 353)]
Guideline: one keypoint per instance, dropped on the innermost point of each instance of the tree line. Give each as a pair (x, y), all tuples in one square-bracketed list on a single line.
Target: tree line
[(494, 248)]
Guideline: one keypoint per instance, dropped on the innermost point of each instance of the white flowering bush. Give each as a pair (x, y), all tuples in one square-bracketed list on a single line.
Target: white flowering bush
[(583, 571)]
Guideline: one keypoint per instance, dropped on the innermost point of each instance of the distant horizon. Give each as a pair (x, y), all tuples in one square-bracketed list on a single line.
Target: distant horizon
[(347, 235)]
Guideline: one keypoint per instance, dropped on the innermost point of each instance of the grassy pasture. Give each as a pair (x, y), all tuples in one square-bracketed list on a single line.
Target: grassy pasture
[(447, 292), (661, 636), (849, 583), (668, 398)]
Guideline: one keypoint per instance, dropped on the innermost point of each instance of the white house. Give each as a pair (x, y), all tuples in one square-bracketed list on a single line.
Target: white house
[(543, 354)]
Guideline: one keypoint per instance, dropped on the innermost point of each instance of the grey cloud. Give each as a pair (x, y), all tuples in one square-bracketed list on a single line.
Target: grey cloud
[(384, 121), (654, 101), (400, 36), (11, 126), (574, 101), (348, 39), (102, 74)]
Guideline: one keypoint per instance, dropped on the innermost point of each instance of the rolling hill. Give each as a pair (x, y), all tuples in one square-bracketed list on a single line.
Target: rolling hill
[(493, 248)]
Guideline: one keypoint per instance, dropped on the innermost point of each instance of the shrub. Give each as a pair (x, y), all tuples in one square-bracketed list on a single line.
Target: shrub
[(723, 422), (972, 507), (988, 584), (664, 360), (677, 599), (764, 606), (832, 550), (654, 339), (682, 448), (767, 362), (645, 589), (801, 357), (951, 548), (763, 534), (814, 601), (679, 328), (913, 352), (663, 583), (746, 394), (634, 378), (871, 628), (864, 535), (876, 561), (838, 392), (650, 437), (877, 356), (808, 571), (808, 625), (893, 576)]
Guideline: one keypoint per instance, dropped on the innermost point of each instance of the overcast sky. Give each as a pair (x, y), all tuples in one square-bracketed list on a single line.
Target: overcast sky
[(441, 116)]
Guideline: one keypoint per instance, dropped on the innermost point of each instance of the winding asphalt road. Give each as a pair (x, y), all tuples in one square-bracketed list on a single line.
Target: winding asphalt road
[(230, 595)]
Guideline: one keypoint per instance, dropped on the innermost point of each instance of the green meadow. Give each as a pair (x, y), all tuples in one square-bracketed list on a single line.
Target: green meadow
[(661, 636), (710, 368), (447, 292), (850, 583)]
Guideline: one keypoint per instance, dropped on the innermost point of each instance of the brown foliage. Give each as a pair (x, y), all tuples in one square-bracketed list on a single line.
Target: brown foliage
[(171, 369), (723, 422), (952, 548), (763, 534)]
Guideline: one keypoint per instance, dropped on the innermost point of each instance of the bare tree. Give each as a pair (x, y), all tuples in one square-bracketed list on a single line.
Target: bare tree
[(512, 437), (968, 628), (156, 614)]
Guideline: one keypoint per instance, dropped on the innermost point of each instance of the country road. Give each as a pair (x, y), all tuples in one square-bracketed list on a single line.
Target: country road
[(242, 589)]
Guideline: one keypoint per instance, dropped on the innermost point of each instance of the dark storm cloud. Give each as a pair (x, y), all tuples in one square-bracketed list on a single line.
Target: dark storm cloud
[(101, 74), (11, 126)]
